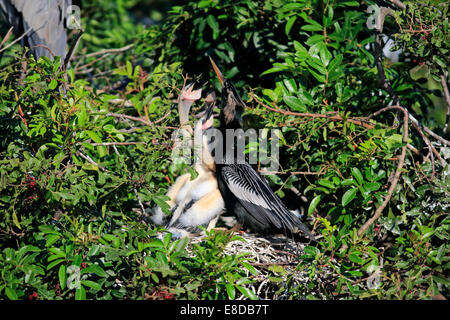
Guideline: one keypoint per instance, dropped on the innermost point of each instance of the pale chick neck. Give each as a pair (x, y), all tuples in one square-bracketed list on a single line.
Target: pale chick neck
[(201, 145)]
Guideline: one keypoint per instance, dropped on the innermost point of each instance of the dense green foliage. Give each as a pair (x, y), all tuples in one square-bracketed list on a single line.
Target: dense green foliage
[(73, 172)]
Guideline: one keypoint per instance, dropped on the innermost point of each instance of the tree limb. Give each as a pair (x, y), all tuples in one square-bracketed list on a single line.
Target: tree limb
[(447, 100), (398, 171), (335, 117)]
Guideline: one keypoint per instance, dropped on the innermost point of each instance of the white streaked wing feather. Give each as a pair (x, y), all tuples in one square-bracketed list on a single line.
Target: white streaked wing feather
[(242, 189), (248, 186)]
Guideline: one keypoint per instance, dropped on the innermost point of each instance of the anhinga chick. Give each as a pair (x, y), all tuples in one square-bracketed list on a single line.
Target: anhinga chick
[(196, 202)]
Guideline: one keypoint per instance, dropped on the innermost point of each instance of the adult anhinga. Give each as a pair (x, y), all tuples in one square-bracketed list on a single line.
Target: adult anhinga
[(245, 192), (196, 202)]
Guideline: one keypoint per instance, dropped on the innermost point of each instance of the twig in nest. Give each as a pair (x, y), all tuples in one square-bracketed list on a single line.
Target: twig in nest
[(401, 161)]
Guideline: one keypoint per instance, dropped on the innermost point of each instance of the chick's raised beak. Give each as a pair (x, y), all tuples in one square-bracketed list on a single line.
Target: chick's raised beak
[(217, 71)]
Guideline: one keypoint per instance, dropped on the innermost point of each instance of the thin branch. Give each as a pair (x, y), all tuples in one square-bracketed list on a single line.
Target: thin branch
[(399, 4), (101, 52), (144, 213), (139, 119), (89, 159), (78, 69), (334, 117), (7, 36), (447, 99), (124, 116), (117, 143), (45, 47), (398, 171), (17, 40), (163, 117), (293, 173), (416, 126)]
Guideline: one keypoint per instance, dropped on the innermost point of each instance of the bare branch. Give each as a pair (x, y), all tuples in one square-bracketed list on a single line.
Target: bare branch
[(17, 40), (335, 117), (447, 99), (118, 143), (89, 159), (399, 4), (398, 171), (8, 35), (101, 52)]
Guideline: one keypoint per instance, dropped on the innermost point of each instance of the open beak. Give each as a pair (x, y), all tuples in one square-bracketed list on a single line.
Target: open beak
[(217, 71)]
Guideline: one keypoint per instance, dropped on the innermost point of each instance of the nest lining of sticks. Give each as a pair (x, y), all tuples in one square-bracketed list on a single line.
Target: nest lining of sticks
[(276, 259)]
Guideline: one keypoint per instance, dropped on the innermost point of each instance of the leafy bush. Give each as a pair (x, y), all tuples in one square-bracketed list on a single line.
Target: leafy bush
[(85, 149)]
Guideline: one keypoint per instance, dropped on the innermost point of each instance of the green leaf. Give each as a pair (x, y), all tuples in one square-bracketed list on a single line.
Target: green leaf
[(51, 239), (289, 24), (358, 175), (348, 182), (167, 239), (326, 183), (372, 186), (325, 55), (247, 292), (274, 69), (318, 76), (95, 268), (11, 293), (249, 267), (354, 257), (290, 85), (314, 39), (91, 284), (80, 294), (294, 103), (214, 25), (53, 84), (313, 205), (312, 27), (16, 220), (349, 195), (54, 263), (231, 291), (440, 62), (62, 276), (94, 136)]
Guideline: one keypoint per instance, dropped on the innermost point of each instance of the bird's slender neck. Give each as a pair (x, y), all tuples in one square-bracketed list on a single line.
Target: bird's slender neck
[(231, 112), (232, 108)]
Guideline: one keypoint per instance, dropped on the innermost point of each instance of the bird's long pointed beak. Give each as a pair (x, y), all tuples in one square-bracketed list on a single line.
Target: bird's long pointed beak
[(217, 71), (208, 119)]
